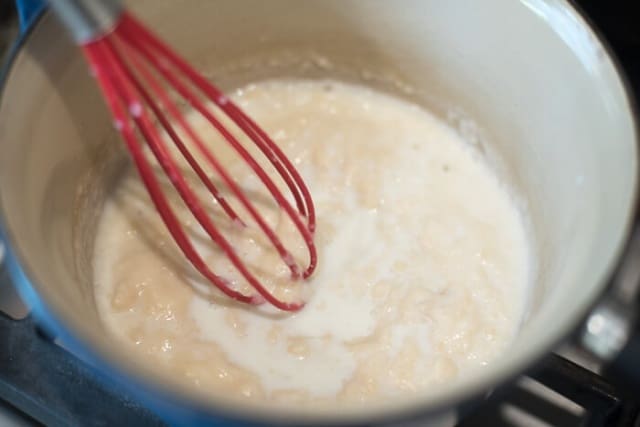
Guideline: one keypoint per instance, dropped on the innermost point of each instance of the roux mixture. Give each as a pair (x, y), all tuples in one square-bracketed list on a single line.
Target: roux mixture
[(423, 272)]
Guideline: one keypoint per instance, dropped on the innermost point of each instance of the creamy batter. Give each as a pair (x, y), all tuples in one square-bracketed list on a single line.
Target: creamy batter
[(424, 259)]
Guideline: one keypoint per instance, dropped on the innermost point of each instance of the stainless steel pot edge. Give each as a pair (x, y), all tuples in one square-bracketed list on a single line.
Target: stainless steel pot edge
[(186, 413)]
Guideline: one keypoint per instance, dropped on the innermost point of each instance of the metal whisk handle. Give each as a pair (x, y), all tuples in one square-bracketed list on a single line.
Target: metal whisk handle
[(87, 20)]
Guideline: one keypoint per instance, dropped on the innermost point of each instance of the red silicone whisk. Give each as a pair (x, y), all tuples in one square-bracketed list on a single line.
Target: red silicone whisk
[(140, 77)]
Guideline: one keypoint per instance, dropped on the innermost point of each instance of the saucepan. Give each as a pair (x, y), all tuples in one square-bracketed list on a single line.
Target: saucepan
[(527, 81)]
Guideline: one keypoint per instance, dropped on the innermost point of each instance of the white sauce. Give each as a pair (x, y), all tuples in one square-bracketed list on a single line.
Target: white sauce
[(423, 270)]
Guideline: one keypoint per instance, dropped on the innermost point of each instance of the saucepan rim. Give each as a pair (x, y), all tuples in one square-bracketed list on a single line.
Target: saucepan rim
[(190, 409)]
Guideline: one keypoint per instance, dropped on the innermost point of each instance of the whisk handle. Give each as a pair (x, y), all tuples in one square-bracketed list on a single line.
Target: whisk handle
[(87, 19)]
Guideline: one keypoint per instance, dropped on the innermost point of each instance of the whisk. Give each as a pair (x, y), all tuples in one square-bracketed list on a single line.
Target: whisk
[(140, 78)]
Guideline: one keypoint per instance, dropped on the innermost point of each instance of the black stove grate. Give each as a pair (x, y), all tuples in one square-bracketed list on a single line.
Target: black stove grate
[(603, 404)]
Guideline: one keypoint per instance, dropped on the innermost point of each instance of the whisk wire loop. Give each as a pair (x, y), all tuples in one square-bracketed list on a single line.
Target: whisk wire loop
[(99, 53), (164, 59), (126, 63)]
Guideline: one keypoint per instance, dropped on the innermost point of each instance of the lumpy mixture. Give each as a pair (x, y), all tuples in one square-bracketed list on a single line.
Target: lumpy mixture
[(424, 260)]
